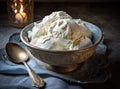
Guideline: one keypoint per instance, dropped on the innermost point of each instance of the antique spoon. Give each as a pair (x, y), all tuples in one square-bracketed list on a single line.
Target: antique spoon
[(18, 55)]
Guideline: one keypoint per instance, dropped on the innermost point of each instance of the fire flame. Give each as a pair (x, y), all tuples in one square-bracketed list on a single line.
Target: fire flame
[(20, 6)]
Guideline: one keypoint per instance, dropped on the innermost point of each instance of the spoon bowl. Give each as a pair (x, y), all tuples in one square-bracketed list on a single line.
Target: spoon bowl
[(18, 55)]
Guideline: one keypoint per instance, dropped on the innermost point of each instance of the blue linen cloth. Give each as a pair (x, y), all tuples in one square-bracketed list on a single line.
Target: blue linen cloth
[(15, 76)]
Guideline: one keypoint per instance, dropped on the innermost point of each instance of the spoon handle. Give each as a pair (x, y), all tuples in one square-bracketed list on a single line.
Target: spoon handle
[(37, 81)]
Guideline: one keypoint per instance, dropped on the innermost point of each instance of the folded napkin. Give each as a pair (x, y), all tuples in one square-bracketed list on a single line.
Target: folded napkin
[(15, 76)]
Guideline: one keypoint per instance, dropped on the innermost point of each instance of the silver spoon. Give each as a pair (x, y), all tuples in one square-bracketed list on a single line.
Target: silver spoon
[(18, 55)]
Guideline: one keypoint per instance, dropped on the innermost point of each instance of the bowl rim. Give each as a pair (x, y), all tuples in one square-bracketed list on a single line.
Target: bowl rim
[(48, 50)]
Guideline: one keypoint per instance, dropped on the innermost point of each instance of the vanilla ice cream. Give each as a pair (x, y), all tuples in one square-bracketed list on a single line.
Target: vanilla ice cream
[(58, 31)]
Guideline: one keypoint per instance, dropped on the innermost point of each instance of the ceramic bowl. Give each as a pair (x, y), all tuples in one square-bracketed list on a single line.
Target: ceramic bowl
[(63, 61)]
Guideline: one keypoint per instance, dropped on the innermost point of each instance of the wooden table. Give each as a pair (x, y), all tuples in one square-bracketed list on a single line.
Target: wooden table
[(104, 15)]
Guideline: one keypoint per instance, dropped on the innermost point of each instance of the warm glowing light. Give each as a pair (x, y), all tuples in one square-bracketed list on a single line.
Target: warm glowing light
[(19, 12), (15, 11), (20, 15), (21, 0), (21, 8), (15, 4)]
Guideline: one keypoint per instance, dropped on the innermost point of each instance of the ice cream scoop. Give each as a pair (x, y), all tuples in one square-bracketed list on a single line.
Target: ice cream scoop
[(58, 31)]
